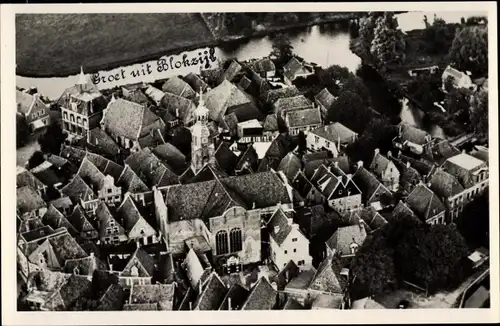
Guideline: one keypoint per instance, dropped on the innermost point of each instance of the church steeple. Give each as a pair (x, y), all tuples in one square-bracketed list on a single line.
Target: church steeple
[(202, 149), (201, 111)]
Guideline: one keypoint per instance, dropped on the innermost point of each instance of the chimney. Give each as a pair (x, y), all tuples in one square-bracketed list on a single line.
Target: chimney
[(389, 154), (177, 112), (229, 303), (360, 164), (376, 151), (463, 151), (290, 221), (407, 165), (336, 164), (190, 305), (349, 176), (338, 143), (276, 229), (137, 244)]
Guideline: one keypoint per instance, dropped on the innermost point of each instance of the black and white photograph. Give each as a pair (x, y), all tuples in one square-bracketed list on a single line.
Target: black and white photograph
[(252, 160)]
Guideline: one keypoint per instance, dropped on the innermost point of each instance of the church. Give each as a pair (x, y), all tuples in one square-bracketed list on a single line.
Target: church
[(222, 216)]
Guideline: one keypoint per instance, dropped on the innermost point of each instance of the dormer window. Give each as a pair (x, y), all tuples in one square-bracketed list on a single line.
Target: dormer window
[(354, 247), (134, 271)]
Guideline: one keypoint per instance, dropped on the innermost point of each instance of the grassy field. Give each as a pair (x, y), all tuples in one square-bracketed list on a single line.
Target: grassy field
[(56, 45)]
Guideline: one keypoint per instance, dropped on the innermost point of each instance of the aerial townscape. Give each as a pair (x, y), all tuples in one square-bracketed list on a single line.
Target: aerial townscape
[(269, 183)]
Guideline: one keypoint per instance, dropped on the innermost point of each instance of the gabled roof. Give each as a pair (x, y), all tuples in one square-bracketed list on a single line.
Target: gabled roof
[(24, 102), (104, 216), (379, 164), (271, 122), (413, 134), (292, 103), (261, 297), (30, 225), (129, 213), (154, 93), (144, 259), (65, 247), (292, 304), (463, 166), (372, 218), (401, 211), (195, 82), (245, 111), (55, 219), (91, 174), (368, 184), (26, 178), (237, 294), (152, 139), (72, 154), (440, 151), (262, 65), (136, 96), (179, 87), (177, 106), (112, 299), (62, 203), (81, 266), (79, 220), (212, 295), (225, 95), (74, 289), (28, 200), (424, 202), (279, 228), (248, 160), (231, 71), (131, 181), (294, 67), (151, 169), (290, 165), (161, 294), (78, 190), (342, 239), (103, 143), (325, 98), (272, 95), (335, 132), (208, 172), (171, 156), (444, 184), (127, 119), (105, 165), (225, 158), (325, 279), (304, 117), (37, 233)]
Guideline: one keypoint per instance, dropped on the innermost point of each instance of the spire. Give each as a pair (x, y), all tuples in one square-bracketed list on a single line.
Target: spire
[(201, 97), (81, 79)]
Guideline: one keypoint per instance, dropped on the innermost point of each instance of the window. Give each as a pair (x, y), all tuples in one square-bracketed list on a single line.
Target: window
[(79, 120), (286, 252), (327, 144), (294, 250), (134, 271), (66, 116), (301, 262), (85, 122), (316, 139), (42, 112), (72, 117), (221, 243), (109, 190), (236, 241), (294, 239)]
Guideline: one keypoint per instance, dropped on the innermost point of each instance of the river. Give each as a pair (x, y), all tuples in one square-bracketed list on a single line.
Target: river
[(323, 45)]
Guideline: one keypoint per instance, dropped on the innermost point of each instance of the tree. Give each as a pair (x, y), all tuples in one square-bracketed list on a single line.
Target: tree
[(181, 139), (282, 50), (425, 89), (52, 139), (373, 264), (22, 131), (350, 110), (238, 22), (469, 50), (474, 222), (439, 35), (455, 101), (301, 143), (35, 160), (479, 113), (388, 45), (366, 31), (338, 79)]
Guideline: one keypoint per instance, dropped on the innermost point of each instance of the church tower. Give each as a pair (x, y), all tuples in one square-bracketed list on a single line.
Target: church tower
[(202, 148)]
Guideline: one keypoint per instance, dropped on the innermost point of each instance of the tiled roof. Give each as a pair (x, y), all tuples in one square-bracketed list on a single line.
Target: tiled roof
[(301, 281), (237, 294), (424, 202), (35, 234), (212, 295), (161, 294), (82, 266), (112, 299), (225, 158), (62, 203), (55, 219), (248, 160), (225, 95), (30, 225), (129, 213), (79, 220), (28, 200), (440, 151), (244, 83), (335, 131), (72, 154), (195, 82), (154, 93), (369, 184), (302, 118), (24, 102), (177, 106), (245, 111), (127, 119), (445, 184), (231, 72), (372, 218), (77, 189), (144, 259), (294, 66), (151, 169), (186, 176), (74, 289), (262, 65), (422, 166), (272, 95), (140, 307), (291, 103), (104, 216), (171, 156), (325, 98), (401, 211), (412, 134), (207, 173), (136, 96), (26, 178), (105, 166), (342, 239), (379, 164), (290, 165), (408, 174), (261, 297), (326, 301), (292, 304), (152, 139), (179, 87), (278, 226), (65, 247), (131, 181), (103, 143), (57, 161), (271, 122), (91, 174)]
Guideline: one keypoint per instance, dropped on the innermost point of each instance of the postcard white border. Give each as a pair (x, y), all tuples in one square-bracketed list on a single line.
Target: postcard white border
[(11, 317)]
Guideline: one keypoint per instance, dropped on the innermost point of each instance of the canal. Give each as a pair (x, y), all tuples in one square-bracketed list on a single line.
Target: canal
[(324, 45)]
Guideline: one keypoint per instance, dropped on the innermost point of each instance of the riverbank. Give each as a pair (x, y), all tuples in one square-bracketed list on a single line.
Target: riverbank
[(54, 45)]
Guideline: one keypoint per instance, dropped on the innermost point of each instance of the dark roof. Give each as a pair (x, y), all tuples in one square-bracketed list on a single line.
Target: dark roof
[(279, 228), (248, 160), (311, 166), (179, 87), (152, 139), (74, 289), (344, 236), (291, 103), (171, 156), (78, 189), (112, 299), (304, 117), (292, 304), (368, 184), (372, 218), (127, 119), (207, 173), (222, 97), (244, 83), (271, 122), (28, 200), (79, 220), (327, 278), (73, 154), (82, 266), (294, 67), (335, 131), (103, 143), (129, 213), (105, 165), (440, 151), (91, 174), (262, 65), (290, 165), (26, 178), (401, 211), (195, 82), (424, 202), (65, 247), (245, 111), (422, 166), (136, 96), (30, 225), (324, 98), (212, 295), (55, 219), (272, 95), (445, 184), (161, 294), (151, 169), (131, 181), (177, 106), (261, 297), (37, 233), (225, 158), (231, 72), (144, 259), (237, 294), (379, 164), (49, 174), (413, 134)]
